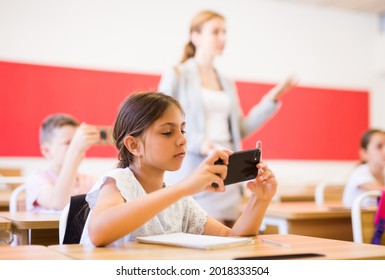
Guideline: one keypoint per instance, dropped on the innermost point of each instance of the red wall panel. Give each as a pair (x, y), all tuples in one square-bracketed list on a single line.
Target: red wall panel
[(313, 123)]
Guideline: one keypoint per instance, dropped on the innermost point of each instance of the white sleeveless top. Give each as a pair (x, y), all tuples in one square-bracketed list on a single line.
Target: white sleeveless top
[(183, 216), (217, 113)]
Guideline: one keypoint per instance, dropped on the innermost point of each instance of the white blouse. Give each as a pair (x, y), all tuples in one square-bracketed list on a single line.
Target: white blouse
[(361, 175), (183, 216), (217, 113)]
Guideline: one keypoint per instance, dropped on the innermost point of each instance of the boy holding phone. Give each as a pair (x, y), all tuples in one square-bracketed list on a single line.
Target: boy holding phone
[(63, 142)]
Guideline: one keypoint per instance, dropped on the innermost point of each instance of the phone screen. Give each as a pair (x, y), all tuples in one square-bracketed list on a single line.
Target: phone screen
[(242, 166), (105, 135)]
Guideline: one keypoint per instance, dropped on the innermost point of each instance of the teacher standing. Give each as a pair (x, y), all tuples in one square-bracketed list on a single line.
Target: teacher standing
[(213, 113)]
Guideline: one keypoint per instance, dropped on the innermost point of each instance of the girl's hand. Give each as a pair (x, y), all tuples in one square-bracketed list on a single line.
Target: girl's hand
[(264, 186), (208, 173)]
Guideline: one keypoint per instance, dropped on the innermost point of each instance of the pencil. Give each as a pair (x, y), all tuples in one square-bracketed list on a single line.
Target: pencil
[(281, 244)]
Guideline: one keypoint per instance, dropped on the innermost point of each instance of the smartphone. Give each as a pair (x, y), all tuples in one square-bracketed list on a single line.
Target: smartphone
[(242, 166), (105, 135)]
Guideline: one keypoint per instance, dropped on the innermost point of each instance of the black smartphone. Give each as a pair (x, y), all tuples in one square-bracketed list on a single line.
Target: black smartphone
[(242, 166), (105, 135)]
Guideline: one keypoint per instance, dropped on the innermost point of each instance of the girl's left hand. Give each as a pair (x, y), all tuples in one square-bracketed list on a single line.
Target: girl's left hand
[(264, 186)]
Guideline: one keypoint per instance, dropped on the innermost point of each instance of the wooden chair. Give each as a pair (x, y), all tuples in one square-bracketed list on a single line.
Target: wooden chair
[(17, 199), (328, 191), (362, 221), (17, 203)]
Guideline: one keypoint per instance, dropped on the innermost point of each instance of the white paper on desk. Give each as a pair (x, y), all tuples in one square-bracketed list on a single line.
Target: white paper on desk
[(197, 241)]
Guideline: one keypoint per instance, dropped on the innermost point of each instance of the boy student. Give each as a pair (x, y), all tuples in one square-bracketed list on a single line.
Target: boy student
[(63, 142)]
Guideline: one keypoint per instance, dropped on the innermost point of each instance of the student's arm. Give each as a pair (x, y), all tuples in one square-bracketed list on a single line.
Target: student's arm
[(371, 186), (263, 189), (58, 196), (112, 219)]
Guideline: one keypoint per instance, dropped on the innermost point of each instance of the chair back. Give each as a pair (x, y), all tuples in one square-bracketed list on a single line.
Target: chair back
[(63, 223), (328, 192), (17, 199), (363, 221), (73, 219)]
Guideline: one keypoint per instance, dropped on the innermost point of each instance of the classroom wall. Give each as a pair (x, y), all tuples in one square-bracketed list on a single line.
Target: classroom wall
[(326, 129), (267, 40)]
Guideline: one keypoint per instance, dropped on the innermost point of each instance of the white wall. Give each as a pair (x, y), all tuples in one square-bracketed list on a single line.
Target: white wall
[(267, 40)]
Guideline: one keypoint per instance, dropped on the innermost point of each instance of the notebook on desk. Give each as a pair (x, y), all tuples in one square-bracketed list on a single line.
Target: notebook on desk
[(197, 241)]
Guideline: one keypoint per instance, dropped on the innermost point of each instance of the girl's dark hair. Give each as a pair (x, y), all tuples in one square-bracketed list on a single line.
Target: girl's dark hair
[(366, 137), (196, 26), (136, 114)]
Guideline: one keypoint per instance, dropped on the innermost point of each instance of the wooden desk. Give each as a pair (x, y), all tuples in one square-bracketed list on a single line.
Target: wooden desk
[(30, 252), (306, 218), (5, 231), (5, 196), (5, 225), (11, 182), (329, 249), (34, 227), (296, 196), (294, 193)]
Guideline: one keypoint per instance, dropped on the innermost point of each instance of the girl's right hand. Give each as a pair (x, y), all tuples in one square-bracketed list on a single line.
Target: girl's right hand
[(208, 172)]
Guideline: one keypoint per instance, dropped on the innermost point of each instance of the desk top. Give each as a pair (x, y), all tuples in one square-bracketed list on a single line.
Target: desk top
[(33, 220), (309, 210), (5, 224), (30, 252), (296, 192), (296, 196), (5, 196), (292, 244), (18, 180)]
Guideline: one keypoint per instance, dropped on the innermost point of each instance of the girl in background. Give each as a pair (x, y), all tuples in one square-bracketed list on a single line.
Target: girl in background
[(370, 174)]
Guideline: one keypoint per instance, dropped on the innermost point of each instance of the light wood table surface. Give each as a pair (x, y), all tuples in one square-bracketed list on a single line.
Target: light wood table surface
[(293, 193), (5, 225), (30, 252), (5, 196), (284, 246), (5, 231), (296, 196), (13, 180), (34, 227), (331, 220)]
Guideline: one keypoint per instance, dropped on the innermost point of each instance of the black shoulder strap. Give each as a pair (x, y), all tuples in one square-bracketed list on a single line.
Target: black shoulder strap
[(77, 216)]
